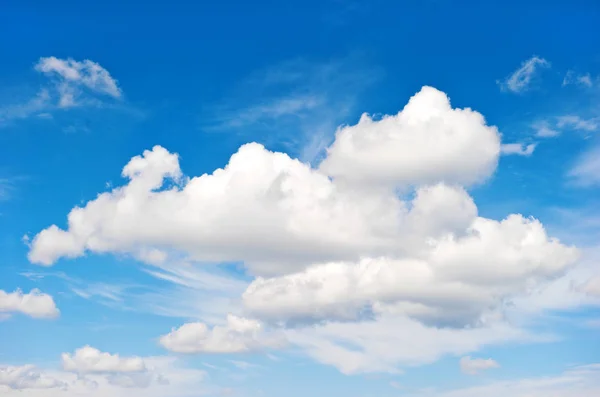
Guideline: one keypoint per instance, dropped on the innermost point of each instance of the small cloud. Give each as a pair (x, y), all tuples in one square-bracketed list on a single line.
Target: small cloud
[(519, 149), (71, 76), (577, 123), (473, 366), (543, 129), (586, 171), (395, 385), (521, 79), (71, 83), (571, 78)]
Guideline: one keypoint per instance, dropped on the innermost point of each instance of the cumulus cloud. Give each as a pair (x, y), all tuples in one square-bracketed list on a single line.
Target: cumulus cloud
[(237, 336), (276, 213), (457, 282), (90, 360), (34, 304), (519, 149), (520, 80), (72, 76), (473, 366), (373, 260), (27, 377), (425, 143), (163, 377)]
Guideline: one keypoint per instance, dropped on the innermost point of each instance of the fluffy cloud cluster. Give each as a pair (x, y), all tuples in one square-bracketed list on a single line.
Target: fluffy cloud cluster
[(90, 360), (120, 371), (425, 143), (237, 336), (33, 304), (456, 281), (379, 246), (26, 377), (92, 373)]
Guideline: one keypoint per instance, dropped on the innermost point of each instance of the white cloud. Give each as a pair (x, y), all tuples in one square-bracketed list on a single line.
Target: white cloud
[(26, 377), (373, 261), (521, 79), (237, 336), (90, 360), (71, 83), (519, 149), (582, 381), (577, 123), (33, 304), (544, 129), (427, 142), (586, 170), (391, 342), (165, 377), (457, 281), (472, 366), (579, 79), (73, 75)]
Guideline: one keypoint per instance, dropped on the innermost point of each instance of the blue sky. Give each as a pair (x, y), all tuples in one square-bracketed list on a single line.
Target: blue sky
[(300, 198)]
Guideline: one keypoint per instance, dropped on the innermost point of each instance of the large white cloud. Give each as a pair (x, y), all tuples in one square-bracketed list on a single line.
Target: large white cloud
[(427, 142), (375, 260), (273, 212), (458, 280), (33, 304), (239, 335)]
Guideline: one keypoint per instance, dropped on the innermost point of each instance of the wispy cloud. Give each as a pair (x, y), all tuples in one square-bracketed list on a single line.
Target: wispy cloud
[(521, 79), (70, 83), (298, 103), (586, 170), (71, 77), (572, 78), (577, 123), (555, 126), (519, 149)]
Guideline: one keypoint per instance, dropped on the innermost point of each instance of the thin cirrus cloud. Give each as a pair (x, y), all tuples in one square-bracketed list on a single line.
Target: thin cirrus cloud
[(553, 127), (72, 76), (473, 366), (573, 78), (586, 170), (355, 275), (521, 79)]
